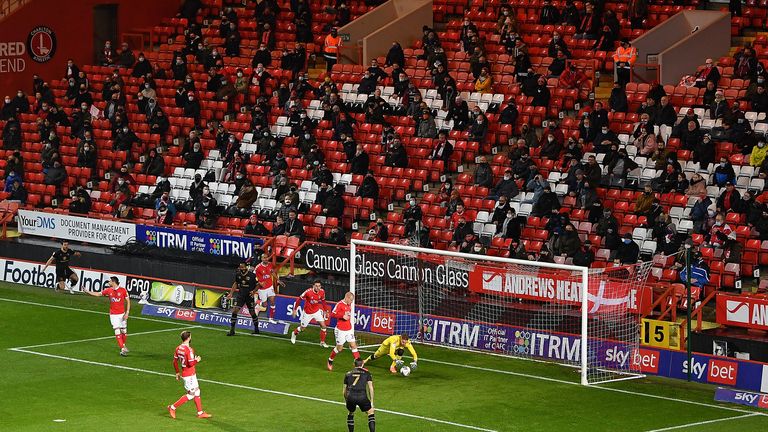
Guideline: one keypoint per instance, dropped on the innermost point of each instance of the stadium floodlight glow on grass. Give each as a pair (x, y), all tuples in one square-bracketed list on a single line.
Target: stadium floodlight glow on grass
[(509, 307)]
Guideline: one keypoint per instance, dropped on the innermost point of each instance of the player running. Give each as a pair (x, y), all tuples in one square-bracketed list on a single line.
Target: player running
[(63, 273), (184, 357), (345, 331), (245, 284), (395, 346), (119, 308), (356, 383), (314, 308), (266, 277)]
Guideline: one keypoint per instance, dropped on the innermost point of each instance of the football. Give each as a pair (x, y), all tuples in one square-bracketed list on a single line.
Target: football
[(405, 371)]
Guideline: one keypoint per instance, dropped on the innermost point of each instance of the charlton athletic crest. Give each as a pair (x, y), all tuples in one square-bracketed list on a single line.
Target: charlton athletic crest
[(41, 44)]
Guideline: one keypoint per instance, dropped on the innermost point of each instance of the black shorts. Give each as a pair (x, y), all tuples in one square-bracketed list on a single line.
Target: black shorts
[(358, 401), (245, 299), (63, 273)]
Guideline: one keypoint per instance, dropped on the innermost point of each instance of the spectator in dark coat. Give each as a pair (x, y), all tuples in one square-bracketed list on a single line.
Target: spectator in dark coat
[(628, 251), (359, 163), (506, 186), (483, 173)]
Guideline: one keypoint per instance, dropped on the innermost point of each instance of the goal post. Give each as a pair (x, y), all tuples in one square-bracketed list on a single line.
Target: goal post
[(525, 309)]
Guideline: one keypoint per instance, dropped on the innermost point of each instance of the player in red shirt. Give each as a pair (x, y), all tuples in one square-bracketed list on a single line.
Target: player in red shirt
[(345, 329), (314, 308), (266, 278), (184, 361), (119, 308)]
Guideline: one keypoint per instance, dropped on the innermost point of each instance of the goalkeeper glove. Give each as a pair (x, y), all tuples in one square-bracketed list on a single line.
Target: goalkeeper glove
[(398, 363), (414, 365)]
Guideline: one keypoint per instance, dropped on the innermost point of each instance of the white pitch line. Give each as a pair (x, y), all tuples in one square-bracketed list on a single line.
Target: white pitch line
[(687, 425), (245, 387), (81, 310), (101, 338), (519, 374)]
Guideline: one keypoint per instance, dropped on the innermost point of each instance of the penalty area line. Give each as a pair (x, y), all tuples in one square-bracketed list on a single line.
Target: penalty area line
[(245, 387), (687, 425), (100, 338)]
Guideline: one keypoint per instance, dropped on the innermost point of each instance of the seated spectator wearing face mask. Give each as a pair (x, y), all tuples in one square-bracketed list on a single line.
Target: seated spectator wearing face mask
[(628, 251)]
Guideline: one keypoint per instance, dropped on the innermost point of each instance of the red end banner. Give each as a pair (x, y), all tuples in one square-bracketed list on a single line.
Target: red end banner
[(742, 311), (606, 294)]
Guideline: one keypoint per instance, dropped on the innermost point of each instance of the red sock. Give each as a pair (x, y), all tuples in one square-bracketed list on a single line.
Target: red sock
[(182, 400), (120, 342), (124, 336), (198, 404), (333, 354), (322, 335), (355, 354), (271, 312), (297, 330)]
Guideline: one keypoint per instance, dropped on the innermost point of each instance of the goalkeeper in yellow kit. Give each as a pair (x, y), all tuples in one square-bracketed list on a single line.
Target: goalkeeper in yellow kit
[(395, 346)]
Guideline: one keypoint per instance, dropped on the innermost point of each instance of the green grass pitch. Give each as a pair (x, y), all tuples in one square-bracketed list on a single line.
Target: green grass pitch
[(71, 378)]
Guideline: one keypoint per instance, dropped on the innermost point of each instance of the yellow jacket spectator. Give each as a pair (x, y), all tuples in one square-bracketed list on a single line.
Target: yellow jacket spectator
[(484, 83), (757, 157)]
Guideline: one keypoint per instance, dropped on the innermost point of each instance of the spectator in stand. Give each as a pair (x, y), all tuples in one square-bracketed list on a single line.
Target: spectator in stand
[(644, 201), (17, 192), (121, 178), (589, 25), (506, 186), (728, 200), (336, 236), (254, 227), (701, 214), (510, 226), (442, 150), (606, 39), (758, 155), (425, 127), (245, 199), (724, 173), (458, 111), (412, 217), (86, 156), (484, 82), (549, 14), (331, 46), (12, 135), (165, 209), (142, 67), (697, 186), (278, 228), (541, 94), (709, 72), (719, 108), (459, 213), (334, 204), (227, 93), (483, 173), (618, 168), (194, 157), (56, 176), (547, 203), (369, 188), (462, 231), (13, 173), (395, 156), (552, 143), (192, 108), (567, 243), (746, 63), (699, 272), (378, 231), (628, 251), (618, 99), (81, 201), (557, 44), (395, 55), (759, 99), (196, 187), (637, 12), (704, 152), (720, 232)]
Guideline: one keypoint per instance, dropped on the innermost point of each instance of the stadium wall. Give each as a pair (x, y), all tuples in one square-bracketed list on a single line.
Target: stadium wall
[(372, 34), (67, 32)]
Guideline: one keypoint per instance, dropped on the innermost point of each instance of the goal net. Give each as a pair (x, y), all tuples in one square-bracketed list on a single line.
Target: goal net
[(509, 307)]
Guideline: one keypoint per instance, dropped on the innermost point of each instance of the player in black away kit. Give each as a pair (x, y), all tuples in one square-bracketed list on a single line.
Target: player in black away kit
[(245, 284), (63, 273), (358, 392)]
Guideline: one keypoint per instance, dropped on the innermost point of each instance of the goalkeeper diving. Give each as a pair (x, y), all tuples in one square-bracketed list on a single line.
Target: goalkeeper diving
[(395, 347)]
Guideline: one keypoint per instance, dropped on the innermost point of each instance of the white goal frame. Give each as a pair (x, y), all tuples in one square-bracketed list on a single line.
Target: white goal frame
[(583, 271)]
